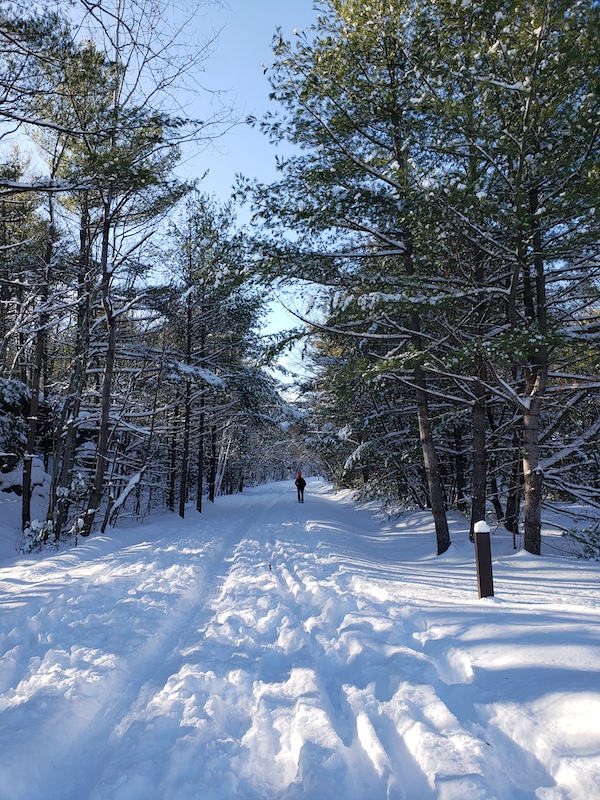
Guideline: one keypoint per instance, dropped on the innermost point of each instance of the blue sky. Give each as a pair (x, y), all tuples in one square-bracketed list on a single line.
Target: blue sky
[(246, 29)]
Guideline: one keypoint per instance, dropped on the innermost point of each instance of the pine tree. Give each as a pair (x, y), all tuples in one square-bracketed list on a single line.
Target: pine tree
[(455, 143)]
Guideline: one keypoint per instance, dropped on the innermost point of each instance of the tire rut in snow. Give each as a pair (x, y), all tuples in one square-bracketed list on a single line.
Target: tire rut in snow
[(350, 647), (156, 640), (368, 656), (125, 750), (259, 706)]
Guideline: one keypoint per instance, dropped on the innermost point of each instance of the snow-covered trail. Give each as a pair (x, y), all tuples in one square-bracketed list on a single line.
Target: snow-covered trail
[(269, 649)]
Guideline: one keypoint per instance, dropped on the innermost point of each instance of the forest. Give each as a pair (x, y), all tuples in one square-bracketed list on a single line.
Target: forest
[(436, 213)]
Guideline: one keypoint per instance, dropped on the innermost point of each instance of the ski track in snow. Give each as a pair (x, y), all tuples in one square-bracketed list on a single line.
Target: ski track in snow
[(275, 650)]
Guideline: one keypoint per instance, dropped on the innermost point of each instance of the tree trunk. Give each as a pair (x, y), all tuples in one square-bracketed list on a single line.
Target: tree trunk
[(202, 422), (459, 465), (185, 458), (38, 360), (536, 383), (113, 490), (64, 451), (183, 486), (430, 461), (213, 464), (32, 420), (513, 501), (434, 483), (107, 381), (532, 474), (492, 468), (479, 481), (495, 495), (200, 487), (173, 462)]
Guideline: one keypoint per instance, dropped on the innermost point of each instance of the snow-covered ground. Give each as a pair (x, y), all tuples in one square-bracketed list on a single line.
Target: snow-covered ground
[(268, 649)]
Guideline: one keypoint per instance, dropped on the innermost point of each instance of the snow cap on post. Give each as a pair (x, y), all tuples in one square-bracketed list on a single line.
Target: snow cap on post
[(483, 559)]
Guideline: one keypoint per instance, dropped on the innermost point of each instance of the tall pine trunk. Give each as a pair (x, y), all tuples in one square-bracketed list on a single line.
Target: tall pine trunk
[(479, 480), (532, 479), (536, 381), (32, 421), (431, 464), (459, 466), (430, 459), (107, 379), (212, 479), (185, 456), (36, 374), (513, 500), (173, 460), (66, 434), (202, 423)]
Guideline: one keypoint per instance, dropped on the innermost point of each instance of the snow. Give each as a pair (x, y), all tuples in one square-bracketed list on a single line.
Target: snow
[(206, 375), (271, 649)]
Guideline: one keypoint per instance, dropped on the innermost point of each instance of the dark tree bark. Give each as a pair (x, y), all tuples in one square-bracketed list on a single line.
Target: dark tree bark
[(38, 360), (173, 461), (64, 451), (536, 380), (460, 466), (109, 367), (479, 479), (183, 485), (430, 459), (513, 500), (201, 424), (533, 479), (213, 463)]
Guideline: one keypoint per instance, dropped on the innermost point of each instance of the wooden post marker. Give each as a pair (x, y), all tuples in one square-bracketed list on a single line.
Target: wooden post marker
[(483, 559)]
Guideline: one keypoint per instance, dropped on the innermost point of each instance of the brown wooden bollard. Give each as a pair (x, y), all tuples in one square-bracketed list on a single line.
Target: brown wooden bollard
[(483, 559)]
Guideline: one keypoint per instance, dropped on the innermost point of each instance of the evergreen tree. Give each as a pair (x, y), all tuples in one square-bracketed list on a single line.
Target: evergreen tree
[(215, 354), (95, 104), (455, 144)]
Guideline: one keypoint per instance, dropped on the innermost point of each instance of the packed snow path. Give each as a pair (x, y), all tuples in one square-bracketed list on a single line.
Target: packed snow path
[(269, 649)]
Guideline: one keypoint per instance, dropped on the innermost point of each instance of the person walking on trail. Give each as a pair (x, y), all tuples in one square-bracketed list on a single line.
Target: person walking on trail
[(300, 484)]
